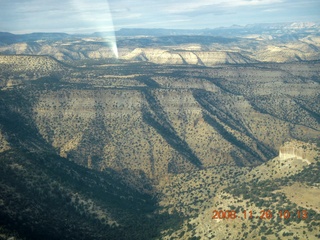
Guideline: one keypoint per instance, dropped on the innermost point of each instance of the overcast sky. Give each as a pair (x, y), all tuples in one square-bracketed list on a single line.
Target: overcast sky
[(86, 16)]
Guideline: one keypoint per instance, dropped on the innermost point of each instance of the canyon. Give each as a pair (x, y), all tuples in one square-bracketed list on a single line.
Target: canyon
[(149, 144)]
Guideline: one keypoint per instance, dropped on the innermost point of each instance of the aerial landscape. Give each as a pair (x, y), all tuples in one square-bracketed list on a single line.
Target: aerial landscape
[(160, 132)]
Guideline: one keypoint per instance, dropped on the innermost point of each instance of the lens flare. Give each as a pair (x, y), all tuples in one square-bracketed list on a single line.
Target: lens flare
[(96, 17), (114, 48)]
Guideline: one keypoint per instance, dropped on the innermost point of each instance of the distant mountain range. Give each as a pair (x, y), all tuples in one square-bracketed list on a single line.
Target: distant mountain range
[(234, 30)]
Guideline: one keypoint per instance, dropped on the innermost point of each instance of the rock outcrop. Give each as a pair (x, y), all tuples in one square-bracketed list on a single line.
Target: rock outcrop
[(291, 152), (297, 150), (206, 58)]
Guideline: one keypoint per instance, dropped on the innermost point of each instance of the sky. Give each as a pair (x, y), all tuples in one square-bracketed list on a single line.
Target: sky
[(88, 16)]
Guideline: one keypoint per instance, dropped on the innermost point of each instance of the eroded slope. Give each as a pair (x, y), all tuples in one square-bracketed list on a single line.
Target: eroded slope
[(162, 120)]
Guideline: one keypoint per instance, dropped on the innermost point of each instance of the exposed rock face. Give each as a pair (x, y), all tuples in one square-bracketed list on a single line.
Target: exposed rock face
[(291, 152), (288, 53), (211, 58), (297, 150), (70, 50), (207, 58)]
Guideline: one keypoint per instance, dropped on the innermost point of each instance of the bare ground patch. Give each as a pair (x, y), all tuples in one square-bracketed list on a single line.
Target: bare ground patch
[(303, 196)]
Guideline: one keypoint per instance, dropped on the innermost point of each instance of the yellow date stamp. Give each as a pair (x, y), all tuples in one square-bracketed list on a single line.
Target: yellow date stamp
[(264, 214)]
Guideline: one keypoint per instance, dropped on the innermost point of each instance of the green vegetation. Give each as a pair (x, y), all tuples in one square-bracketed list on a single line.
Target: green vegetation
[(117, 149)]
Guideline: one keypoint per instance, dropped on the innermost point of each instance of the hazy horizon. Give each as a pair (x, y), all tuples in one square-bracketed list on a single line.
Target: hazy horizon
[(141, 28), (85, 16)]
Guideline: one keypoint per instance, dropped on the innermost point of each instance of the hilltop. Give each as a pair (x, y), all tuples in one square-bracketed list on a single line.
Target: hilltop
[(262, 199)]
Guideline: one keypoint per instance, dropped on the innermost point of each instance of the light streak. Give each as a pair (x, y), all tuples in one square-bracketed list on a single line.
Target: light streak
[(97, 16)]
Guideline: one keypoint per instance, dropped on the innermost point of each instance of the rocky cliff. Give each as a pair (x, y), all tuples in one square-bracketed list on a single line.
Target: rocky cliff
[(297, 150), (204, 58)]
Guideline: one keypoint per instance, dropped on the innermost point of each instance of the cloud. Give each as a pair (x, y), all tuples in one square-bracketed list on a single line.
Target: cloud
[(52, 15), (96, 15), (191, 6)]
